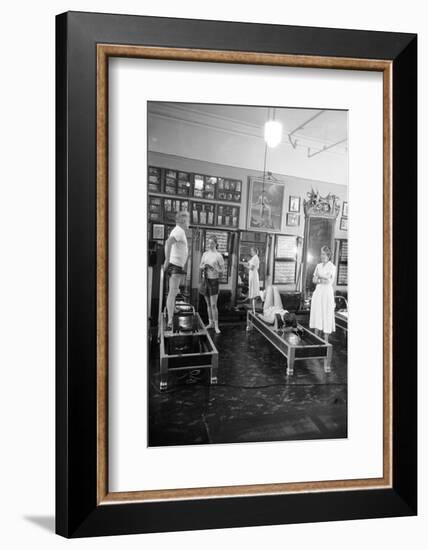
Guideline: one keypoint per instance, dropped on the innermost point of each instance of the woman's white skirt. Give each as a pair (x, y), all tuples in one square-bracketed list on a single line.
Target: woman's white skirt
[(322, 309), (253, 284)]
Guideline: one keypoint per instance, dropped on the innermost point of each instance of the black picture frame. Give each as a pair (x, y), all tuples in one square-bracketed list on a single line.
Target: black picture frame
[(277, 264), (79, 511), (275, 220), (158, 232), (292, 204), (293, 219)]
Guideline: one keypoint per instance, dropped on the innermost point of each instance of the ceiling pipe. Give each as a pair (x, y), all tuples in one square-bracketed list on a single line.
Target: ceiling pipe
[(294, 143), (325, 148)]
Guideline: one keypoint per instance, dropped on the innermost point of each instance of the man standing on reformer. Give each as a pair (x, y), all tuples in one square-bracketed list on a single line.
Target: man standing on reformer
[(176, 252)]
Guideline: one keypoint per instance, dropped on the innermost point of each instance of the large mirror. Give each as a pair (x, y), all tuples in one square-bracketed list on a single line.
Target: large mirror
[(248, 240), (320, 222)]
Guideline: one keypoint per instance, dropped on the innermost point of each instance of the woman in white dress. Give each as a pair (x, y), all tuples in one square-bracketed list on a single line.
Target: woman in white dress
[(253, 275), (323, 304)]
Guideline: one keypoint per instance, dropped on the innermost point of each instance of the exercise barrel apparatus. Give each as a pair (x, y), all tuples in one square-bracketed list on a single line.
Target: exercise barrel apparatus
[(187, 345)]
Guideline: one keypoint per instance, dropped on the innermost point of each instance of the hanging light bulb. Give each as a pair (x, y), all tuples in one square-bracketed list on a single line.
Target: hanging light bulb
[(273, 131)]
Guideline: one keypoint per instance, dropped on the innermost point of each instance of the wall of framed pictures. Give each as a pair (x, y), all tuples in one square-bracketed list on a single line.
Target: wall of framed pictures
[(227, 186), (173, 190), (202, 213), (170, 207)]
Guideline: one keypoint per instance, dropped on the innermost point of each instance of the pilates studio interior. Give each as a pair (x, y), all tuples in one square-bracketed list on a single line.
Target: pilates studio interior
[(247, 273)]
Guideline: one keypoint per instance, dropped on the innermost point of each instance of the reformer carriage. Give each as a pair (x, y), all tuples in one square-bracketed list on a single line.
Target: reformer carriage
[(294, 345)]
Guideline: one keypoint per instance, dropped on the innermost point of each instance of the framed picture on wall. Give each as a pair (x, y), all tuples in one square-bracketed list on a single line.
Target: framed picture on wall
[(158, 231), (344, 224), (293, 220), (109, 481), (265, 204), (294, 204), (345, 209)]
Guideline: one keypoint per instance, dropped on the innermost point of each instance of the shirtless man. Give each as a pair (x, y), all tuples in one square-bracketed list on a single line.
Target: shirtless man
[(176, 252)]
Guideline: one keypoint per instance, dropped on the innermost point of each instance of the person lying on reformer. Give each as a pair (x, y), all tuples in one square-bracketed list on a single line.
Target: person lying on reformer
[(272, 305)]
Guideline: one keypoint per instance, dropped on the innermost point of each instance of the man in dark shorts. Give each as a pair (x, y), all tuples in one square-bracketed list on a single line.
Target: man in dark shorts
[(176, 252)]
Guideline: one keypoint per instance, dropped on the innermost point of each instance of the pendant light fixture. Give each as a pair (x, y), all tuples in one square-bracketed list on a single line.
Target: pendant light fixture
[(273, 131), (273, 136)]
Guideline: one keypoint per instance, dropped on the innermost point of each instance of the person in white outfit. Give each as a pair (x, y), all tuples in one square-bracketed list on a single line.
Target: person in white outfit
[(176, 252), (323, 304), (253, 275)]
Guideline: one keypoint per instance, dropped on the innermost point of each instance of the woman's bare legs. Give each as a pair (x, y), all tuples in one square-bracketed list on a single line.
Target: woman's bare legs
[(277, 302), (214, 312), (269, 300), (209, 311)]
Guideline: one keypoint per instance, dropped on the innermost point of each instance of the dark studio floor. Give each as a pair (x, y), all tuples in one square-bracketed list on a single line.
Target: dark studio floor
[(254, 400)]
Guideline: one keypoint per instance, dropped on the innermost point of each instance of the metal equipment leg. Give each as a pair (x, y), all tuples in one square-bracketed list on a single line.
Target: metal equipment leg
[(163, 374), (327, 360), (161, 296), (214, 369), (249, 325), (290, 362)]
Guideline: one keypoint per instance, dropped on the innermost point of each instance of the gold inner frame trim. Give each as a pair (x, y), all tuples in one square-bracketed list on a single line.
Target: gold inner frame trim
[(104, 51)]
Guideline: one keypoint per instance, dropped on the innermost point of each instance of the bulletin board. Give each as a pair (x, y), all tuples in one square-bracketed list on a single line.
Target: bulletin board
[(285, 260)]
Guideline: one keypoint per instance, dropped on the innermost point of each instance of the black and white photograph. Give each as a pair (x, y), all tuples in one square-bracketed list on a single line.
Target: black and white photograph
[(248, 302), (294, 204), (345, 210), (196, 196), (158, 231), (265, 204), (293, 219)]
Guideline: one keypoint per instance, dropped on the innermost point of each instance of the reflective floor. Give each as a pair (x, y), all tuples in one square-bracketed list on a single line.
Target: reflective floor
[(254, 400)]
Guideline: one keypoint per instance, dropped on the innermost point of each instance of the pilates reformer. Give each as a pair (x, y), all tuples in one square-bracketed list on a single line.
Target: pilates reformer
[(341, 314), (188, 345), (295, 343)]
